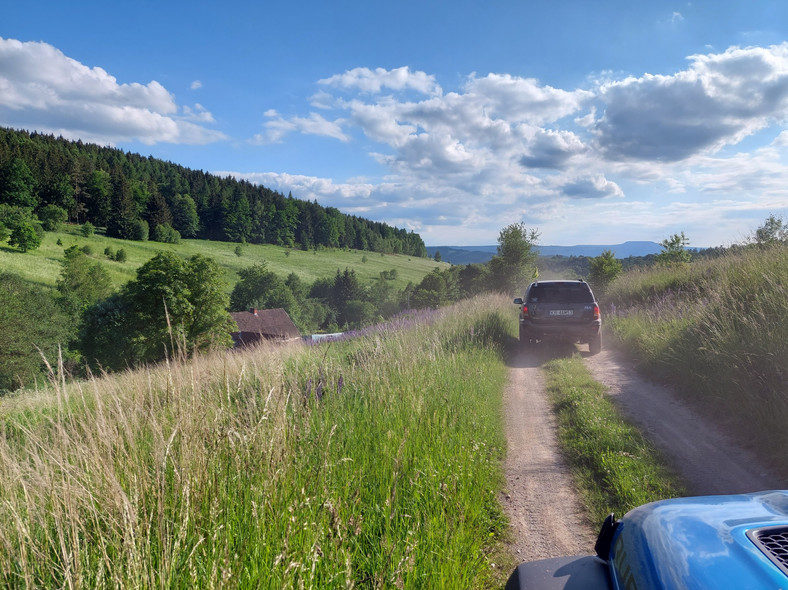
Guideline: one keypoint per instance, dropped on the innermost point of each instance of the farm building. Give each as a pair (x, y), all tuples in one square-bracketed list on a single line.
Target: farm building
[(257, 325)]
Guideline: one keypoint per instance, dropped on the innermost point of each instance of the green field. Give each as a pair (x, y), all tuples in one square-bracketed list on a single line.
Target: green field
[(42, 266)]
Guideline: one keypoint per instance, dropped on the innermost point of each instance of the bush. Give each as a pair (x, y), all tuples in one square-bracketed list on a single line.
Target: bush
[(165, 233), (26, 235), (87, 229), (139, 230), (52, 217), (87, 250), (109, 253), (120, 255)]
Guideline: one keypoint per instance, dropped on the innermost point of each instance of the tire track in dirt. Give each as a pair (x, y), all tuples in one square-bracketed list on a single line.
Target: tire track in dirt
[(545, 513), (709, 461)]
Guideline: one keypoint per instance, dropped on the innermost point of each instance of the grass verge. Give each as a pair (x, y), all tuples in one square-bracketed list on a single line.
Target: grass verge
[(372, 463), (717, 331), (615, 467)]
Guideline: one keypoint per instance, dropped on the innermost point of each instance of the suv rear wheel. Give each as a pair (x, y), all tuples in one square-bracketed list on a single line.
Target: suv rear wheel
[(525, 340), (595, 344)]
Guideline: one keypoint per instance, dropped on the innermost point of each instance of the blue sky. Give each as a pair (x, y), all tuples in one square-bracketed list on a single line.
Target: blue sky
[(594, 122)]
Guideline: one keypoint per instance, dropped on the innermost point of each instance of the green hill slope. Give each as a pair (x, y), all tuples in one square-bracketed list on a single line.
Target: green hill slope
[(42, 266)]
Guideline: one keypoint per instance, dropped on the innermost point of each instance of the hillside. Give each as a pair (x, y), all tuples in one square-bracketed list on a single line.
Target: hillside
[(42, 267), (78, 299), (135, 198)]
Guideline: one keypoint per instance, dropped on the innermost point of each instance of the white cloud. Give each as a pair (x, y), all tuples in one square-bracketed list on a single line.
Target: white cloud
[(374, 81), (196, 85), (721, 99), (198, 113), (278, 127), (42, 89), (502, 148), (591, 187)]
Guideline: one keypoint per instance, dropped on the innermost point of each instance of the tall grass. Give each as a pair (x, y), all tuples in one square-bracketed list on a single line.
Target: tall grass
[(371, 463), (719, 331)]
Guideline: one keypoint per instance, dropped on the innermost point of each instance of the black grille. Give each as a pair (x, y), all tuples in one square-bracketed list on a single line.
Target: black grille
[(773, 541)]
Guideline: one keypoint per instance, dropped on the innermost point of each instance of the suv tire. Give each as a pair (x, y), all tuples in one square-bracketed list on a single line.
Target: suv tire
[(595, 344)]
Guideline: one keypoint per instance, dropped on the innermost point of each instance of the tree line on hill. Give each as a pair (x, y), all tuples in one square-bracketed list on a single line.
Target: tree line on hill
[(46, 180)]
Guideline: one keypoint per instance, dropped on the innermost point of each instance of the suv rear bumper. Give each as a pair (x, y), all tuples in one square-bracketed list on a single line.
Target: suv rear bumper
[(572, 332)]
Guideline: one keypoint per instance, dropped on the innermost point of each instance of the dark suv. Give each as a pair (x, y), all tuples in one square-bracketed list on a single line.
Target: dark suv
[(561, 310)]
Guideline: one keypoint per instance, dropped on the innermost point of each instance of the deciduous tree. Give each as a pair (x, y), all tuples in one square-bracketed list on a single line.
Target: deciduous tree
[(772, 231), (31, 325), (514, 265), (174, 302), (604, 270), (674, 250)]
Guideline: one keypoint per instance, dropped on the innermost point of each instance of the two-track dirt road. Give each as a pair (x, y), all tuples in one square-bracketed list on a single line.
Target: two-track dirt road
[(541, 501)]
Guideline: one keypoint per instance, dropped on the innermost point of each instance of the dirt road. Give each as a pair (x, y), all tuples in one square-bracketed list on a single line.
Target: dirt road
[(543, 508)]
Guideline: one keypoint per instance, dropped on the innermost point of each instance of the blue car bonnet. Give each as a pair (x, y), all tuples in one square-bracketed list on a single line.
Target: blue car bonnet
[(703, 542)]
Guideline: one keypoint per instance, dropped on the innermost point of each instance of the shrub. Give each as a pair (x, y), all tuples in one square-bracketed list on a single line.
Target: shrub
[(120, 255), (52, 217), (87, 229), (139, 230), (166, 234)]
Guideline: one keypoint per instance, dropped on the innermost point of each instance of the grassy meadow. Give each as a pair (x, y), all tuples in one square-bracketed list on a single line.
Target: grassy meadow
[(42, 266), (373, 462), (718, 331)]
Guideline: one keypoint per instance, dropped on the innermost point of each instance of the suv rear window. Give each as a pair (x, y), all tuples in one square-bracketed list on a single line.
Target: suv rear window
[(560, 293)]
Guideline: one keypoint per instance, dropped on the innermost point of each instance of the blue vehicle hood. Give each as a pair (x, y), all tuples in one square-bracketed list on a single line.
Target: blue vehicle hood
[(699, 542)]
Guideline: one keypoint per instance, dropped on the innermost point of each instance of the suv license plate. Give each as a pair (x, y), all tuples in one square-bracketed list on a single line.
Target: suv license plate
[(561, 312)]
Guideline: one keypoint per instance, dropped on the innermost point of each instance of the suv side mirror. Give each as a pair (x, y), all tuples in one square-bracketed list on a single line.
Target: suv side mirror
[(518, 300)]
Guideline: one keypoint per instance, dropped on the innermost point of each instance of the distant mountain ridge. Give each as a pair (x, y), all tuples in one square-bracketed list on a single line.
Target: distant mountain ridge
[(479, 254)]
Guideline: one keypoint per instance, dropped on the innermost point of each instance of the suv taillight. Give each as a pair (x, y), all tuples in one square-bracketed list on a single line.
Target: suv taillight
[(525, 310), (596, 312)]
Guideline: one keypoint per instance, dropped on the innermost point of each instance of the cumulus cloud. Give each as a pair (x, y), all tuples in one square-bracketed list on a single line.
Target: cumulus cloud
[(526, 150), (552, 149), (43, 89), (591, 187), (719, 100), (375, 81), (278, 127)]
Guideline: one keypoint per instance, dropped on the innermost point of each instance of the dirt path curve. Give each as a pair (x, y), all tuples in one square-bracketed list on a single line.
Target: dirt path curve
[(546, 516)]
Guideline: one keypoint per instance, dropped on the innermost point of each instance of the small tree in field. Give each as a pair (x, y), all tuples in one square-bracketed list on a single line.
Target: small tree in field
[(674, 250), (771, 232), (605, 268), (514, 265)]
